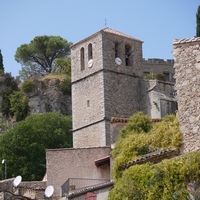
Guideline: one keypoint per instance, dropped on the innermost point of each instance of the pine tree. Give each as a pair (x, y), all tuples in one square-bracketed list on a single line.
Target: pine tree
[(198, 22), (1, 64)]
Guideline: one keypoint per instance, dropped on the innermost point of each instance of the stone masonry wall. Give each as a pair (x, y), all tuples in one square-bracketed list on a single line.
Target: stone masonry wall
[(187, 74), (157, 98), (134, 66), (159, 66), (122, 95)]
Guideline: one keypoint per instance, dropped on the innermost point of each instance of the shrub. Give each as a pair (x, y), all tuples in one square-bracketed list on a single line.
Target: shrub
[(137, 123), (19, 105), (155, 76), (28, 86), (65, 86), (132, 144), (166, 180)]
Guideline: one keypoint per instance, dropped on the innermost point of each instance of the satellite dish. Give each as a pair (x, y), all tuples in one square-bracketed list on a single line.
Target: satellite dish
[(118, 61), (90, 63), (17, 181), (49, 191)]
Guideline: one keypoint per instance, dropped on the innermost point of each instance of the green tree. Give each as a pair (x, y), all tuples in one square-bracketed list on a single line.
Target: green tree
[(3, 125), (30, 70), (63, 66), (1, 64), (42, 52), (24, 145), (19, 105), (198, 22), (9, 86)]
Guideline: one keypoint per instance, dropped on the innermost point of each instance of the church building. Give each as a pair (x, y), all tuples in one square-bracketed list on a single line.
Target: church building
[(107, 81)]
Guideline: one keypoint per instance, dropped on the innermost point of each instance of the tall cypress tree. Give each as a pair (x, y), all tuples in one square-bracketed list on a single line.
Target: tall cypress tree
[(1, 64), (198, 22)]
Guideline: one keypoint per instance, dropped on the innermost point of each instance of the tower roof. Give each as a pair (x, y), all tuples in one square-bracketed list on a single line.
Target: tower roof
[(108, 30)]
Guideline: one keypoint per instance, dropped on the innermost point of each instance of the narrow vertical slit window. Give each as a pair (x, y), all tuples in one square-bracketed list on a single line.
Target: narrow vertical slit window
[(116, 49), (88, 103), (127, 55), (82, 59), (90, 53)]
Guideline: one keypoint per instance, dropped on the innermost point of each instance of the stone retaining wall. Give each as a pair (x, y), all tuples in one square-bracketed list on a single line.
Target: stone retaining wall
[(187, 74)]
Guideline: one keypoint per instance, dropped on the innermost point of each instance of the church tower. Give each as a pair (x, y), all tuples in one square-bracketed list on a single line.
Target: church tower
[(106, 67)]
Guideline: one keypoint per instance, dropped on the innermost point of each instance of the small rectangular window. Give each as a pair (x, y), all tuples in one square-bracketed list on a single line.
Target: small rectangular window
[(88, 103), (82, 59)]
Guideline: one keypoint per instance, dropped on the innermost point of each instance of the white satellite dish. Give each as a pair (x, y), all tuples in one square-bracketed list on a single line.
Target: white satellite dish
[(49, 191), (118, 61), (90, 63), (17, 181)]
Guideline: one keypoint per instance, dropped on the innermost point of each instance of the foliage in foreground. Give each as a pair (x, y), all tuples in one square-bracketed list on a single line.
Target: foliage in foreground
[(24, 145), (140, 137), (170, 179), (137, 138)]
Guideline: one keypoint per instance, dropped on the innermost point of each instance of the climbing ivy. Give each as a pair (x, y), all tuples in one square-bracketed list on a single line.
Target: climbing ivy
[(174, 179), (167, 180), (133, 143)]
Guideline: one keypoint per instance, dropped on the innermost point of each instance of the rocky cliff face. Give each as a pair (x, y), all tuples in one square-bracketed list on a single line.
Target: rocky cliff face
[(47, 96)]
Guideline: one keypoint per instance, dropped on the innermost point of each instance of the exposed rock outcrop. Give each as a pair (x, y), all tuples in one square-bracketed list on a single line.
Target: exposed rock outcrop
[(47, 96)]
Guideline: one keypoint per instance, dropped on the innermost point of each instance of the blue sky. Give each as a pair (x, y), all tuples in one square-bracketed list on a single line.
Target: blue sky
[(156, 22)]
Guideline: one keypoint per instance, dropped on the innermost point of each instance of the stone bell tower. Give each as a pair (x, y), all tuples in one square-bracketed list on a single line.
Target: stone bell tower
[(106, 67)]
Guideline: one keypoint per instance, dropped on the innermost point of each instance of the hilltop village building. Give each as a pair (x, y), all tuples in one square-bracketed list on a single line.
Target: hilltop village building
[(107, 81), (108, 86)]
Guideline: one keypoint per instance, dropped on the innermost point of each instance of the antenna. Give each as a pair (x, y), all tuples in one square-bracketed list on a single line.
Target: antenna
[(49, 191), (105, 22), (17, 181)]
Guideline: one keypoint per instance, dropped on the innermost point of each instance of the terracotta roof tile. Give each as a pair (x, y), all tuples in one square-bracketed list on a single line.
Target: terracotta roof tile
[(89, 188), (109, 30), (125, 120), (36, 185), (106, 30), (119, 120), (153, 157), (102, 161), (181, 41)]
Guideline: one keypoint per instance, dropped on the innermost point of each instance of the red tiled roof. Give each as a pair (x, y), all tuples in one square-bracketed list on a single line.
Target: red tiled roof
[(107, 30), (119, 120), (181, 41), (125, 120), (35, 185), (153, 157), (102, 161), (89, 188)]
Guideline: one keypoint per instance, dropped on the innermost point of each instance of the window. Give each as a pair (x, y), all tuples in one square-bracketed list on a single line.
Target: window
[(167, 76), (127, 54), (82, 59), (90, 54), (116, 49), (88, 103)]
